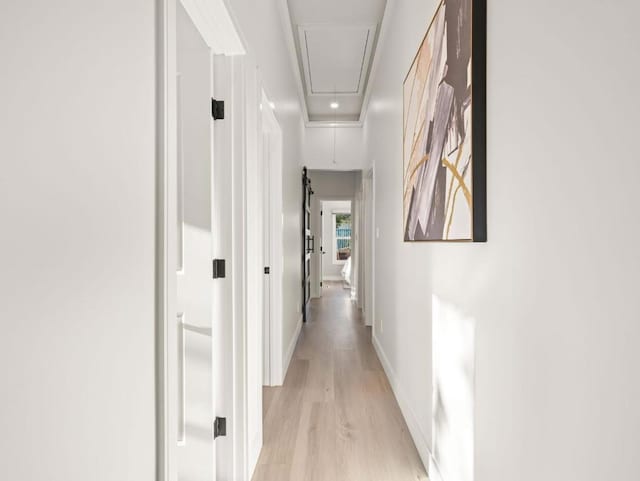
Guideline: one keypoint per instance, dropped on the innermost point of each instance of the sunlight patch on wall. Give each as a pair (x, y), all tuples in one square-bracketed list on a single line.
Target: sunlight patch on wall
[(453, 391)]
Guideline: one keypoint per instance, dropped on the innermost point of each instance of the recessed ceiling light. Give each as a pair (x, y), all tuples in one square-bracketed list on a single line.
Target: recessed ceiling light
[(272, 105), (334, 105)]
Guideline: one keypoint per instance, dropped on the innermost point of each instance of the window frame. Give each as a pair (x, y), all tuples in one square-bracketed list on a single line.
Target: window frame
[(335, 238)]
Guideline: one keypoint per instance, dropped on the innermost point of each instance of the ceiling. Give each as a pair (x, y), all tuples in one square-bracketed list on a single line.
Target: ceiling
[(334, 43)]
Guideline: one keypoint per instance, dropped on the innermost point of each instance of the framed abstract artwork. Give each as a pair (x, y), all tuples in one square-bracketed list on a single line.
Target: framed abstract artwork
[(444, 131)]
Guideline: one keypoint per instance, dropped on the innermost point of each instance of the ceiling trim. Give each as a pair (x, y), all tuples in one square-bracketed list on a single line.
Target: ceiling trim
[(287, 27), (384, 28), (328, 124), (366, 55), (214, 22)]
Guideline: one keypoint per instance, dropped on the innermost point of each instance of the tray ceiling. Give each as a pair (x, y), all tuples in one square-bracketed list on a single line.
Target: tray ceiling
[(335, 45)]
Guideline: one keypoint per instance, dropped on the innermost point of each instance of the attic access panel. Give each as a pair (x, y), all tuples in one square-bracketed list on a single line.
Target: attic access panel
[(335, 58)]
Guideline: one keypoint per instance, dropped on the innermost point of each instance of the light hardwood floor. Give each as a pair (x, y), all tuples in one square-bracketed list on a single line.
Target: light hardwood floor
[(335, 418)]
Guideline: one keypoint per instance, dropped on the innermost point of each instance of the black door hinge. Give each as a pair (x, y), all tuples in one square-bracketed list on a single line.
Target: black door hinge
[(267, 270), (217, 109), (219, 427), (219, 268)]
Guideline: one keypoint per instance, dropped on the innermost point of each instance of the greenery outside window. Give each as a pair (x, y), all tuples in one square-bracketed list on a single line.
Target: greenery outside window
[(341, 237)]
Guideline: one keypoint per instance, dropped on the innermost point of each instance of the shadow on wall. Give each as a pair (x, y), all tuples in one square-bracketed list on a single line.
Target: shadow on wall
[(453, 392)]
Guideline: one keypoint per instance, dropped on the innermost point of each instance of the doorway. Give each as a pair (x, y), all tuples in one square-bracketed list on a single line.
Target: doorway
[(273, 237), (227, 198), (264, 257), (337, 246), (194, 361)]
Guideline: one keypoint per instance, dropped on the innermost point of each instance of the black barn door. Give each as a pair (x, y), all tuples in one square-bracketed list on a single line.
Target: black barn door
[(307, 243)]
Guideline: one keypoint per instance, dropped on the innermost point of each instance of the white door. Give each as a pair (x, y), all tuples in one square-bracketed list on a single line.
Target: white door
[(266, 337), (196, 453)]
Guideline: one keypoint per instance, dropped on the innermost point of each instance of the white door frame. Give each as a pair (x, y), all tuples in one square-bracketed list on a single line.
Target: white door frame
[(214, 23), (371, 257), (223, 249), (354, 253), (368, 236)]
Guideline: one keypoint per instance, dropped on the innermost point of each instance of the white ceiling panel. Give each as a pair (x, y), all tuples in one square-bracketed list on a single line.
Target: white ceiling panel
[(335, 58)]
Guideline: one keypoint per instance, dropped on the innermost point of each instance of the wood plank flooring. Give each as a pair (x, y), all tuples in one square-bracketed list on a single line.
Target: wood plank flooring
[(335, 418)]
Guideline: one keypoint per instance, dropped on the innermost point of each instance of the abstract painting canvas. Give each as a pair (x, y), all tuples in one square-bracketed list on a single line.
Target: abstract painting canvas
[(444, 178)]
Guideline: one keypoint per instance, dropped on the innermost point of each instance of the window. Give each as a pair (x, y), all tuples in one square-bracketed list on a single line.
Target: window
[(341, 237)]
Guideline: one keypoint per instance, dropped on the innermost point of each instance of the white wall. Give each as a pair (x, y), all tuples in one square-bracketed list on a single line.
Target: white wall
[(349, 152), (328, 184), (331, 270), (554, 293), (77, 147)]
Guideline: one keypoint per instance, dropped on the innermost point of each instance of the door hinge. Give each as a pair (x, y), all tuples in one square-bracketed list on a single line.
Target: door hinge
[(219, 427), (219, 268), (267, 270), (217, 109)]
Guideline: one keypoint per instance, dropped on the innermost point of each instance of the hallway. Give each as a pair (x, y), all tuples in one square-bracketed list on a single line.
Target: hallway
[(335, 417)]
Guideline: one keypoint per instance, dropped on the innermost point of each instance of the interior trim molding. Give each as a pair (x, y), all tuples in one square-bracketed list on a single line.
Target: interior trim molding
[(329, 124), (382, 34), (287, 27), (214, 22), (165, 389)]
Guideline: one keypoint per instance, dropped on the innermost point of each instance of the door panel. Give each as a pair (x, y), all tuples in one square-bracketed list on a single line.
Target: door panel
[(266, 330), (196, 454)]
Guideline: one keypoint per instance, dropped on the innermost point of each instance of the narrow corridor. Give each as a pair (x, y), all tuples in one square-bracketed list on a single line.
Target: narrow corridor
[(335, 417)]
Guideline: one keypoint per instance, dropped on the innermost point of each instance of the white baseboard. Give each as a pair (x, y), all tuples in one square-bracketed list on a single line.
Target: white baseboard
[(290, 349), (419, 438)]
